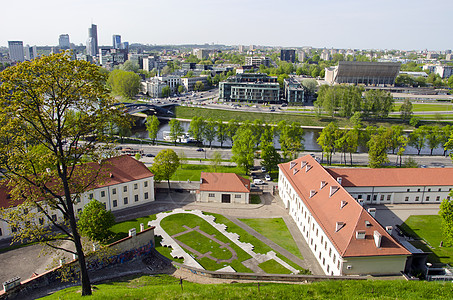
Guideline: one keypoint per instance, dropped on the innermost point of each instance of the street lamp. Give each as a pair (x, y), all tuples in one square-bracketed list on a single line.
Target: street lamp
[(428, 265)]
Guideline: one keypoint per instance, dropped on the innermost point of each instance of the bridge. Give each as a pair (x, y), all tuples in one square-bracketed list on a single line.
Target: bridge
[(143, 110)]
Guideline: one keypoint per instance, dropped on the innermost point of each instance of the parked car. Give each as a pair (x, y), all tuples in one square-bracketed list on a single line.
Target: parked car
[(263, 169), (258, 181), (200, 150), (268, 177), (149, 155)]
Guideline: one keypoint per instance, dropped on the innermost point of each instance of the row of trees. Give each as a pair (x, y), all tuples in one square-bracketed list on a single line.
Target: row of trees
[(345, 100)]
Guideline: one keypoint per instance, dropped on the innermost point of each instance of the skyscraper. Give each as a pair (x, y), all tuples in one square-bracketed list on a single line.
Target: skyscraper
[(92, 42), (30, 52), (16, 50), (116, 41), (63, 41)]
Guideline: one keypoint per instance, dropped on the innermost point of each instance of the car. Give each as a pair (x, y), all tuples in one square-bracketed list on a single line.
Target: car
[(200, 150), (284, 105), (253, 176), (263, 169), (258, 181), (268, 177), (149, 155)]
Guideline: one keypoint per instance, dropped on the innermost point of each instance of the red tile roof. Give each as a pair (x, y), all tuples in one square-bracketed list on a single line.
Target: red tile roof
[(327, 211), (115, 170), (224, 182), (352, 177)]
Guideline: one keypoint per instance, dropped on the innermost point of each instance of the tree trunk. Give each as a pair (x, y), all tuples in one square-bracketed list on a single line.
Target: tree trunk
[(168, 181), (350, 157)]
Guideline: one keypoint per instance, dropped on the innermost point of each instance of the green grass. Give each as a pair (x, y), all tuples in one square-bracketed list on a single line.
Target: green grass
[(174, 224), (428, 228), (419, 107), (166, 287), (193, 172), (121, 230), (275, 229), (203, 244), (255, 199), (273, 267)]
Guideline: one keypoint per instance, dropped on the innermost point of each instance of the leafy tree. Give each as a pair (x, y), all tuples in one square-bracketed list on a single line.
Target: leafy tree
[(222, 132), (176, 130), (166, 91), (233, 126), (352, 141), (450, 81), (291, 137), (445, 136), (267, 137), (123, 83), (401, 147), (95, 221), (326, 140), (406, 110), (181, 89), (216, 160), (378, 103), (410, 163), (152, 125), (397, 131), (130, 66), (414, 121), (196, 129), (258, 129), (244, 143), (417, 138), (309, 85), (209, 132), (182, 159), (433, 137), (270, 158), (378, 146), (446, 214), (199, 86), (46, 102), (165, 165)]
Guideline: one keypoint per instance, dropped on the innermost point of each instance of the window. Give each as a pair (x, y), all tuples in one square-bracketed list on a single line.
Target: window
[(102, 193), (125, 200), (135, 198), (325, 245), (359, 197), (319, 255), (90, 196), (368, 197), (438, 198), (105, 205), (374, 197), (146, 195), (1, 233), (135, 186), (429, 190), (427, 198), (406, 199), (418, 190), (323, 261), (408, 190), (114, 191), (382, 197), (440, 190), (115, 203), (316, 247), (388, 197), (328, 268), (334, 258), (311, 242), (124, 188), (338, 265), (330, 252), (322, 239), (211, 195), (145, 184), (417, 198), (237, 196), (317, 232)]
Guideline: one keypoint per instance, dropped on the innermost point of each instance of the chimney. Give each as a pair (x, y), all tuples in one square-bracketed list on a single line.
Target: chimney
[(343, 204), (132, 232), (377, 239), (339, 180), (360, 234), (389, 229), (312, 193), (372, 211), (339, 226), (333, 189), (323, 184), (142, 227)]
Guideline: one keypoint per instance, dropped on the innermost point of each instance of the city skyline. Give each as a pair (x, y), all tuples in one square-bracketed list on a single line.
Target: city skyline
[(405, 25)]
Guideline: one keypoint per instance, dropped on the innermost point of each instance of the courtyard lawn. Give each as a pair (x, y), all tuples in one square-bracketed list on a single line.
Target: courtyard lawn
[(121, 230), (427, 229), (174, 224), (193, 172), (420, 107), (275, 229), (273, 267)]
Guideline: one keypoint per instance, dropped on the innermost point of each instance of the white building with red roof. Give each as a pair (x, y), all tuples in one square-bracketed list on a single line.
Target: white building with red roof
[(396, 186), (126, 182), (343, 236), (223, 188)]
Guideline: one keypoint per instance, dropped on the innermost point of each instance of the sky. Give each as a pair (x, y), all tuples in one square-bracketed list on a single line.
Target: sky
[(356, 24)]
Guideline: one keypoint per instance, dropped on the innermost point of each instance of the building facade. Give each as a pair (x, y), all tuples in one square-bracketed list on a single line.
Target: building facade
[(128, 183), (189, 83), (63, 42), (16, 51), (257, 61), (344, 237), (294, 92), (92, 47), (250, 87), (116, 41), (223, 188), (288, 55)]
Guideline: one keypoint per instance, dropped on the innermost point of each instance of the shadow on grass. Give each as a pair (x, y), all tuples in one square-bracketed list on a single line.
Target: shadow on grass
[(420, 243)]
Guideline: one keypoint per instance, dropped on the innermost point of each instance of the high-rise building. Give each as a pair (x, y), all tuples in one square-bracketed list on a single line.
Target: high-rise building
[(116, 41), (63, 41), (30, 52), (288, 55), (92, 42), (16, 50)]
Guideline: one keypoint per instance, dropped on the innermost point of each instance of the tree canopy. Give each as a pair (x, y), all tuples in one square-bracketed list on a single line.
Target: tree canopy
[(124, 83), (95, 221), (165, 165)]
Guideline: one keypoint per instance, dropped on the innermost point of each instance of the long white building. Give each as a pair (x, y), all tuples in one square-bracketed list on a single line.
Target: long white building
[(343, 236)]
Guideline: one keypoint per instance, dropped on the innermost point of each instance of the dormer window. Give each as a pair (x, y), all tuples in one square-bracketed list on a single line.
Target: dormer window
[(343, 204), (295, 171), (339, 226), (360, 234), (333, 189), (292, 164), (312, 193), (323, 184), (307, 168)]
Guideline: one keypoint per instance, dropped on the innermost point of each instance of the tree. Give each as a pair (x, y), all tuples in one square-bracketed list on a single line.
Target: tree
[(209, 132), (181, 89), (244, 148), (327, 140), (378, 103), (182, 159), (446, 214), (216, 160), (130, 66), (123, 83), (406, 110), (199, 86), (417, 138), (270, 158), (196, 129), (291, 137), (165, 165), (310, 86), (95, 221), (152, 125), (222, 132), (233, 126), (378, 146), (176, 130), (166, 91), (45, 103), (433, 137)]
